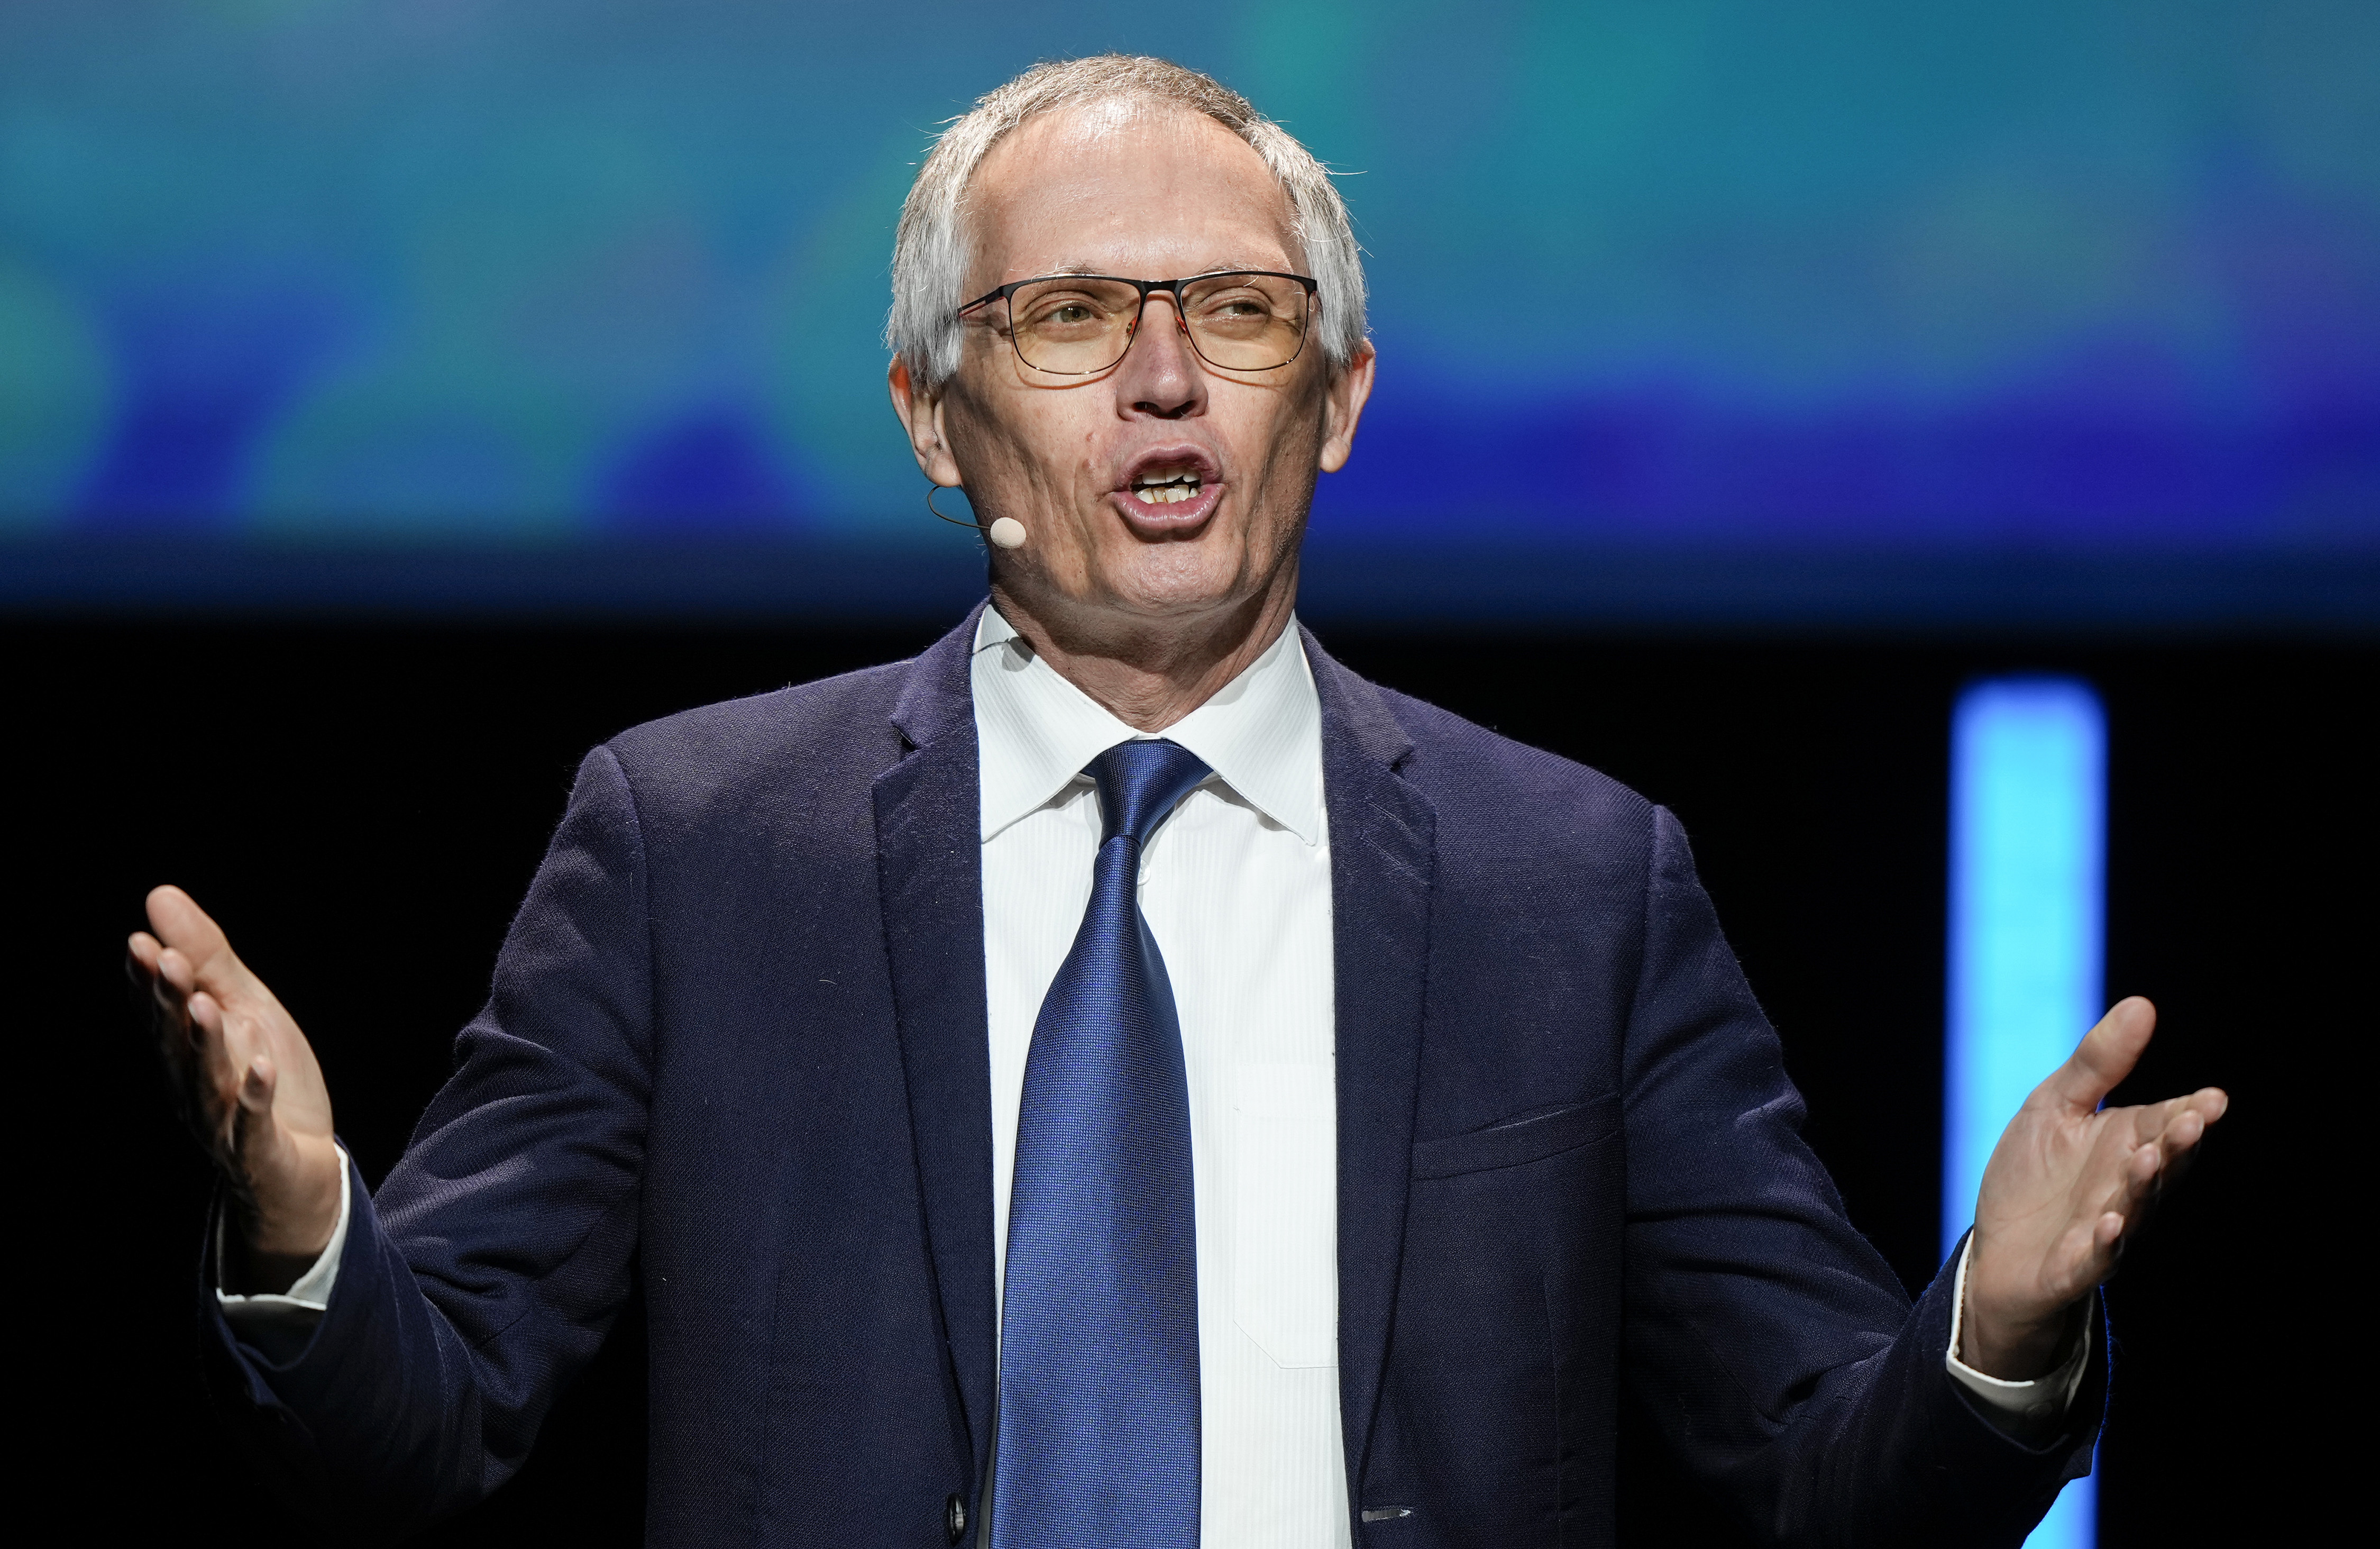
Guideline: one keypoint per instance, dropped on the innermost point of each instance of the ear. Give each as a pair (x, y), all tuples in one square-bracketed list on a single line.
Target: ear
[(920, 410), (1342, 406)]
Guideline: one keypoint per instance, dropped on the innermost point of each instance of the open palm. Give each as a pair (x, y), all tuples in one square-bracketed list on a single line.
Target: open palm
[(248, 1080), (2068, 1182)]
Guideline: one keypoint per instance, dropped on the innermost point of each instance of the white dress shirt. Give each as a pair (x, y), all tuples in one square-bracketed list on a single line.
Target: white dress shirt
[(1235, 886)]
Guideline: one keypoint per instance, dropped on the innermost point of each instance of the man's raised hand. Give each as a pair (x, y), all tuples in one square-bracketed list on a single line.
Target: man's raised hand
[(2068, 1183), (250, 1088)]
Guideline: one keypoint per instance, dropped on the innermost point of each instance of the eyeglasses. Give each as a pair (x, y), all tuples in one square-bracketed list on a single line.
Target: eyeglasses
[(1239, 320)]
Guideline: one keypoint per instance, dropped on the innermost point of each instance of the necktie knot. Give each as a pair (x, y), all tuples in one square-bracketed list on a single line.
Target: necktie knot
[(1140, 783)]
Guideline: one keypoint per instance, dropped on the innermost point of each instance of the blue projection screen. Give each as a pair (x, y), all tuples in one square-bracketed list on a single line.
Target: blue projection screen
[(2028, 891), (1696, 309)]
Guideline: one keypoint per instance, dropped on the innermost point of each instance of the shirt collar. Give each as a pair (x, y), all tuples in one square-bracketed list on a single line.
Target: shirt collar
[(1261, 733)]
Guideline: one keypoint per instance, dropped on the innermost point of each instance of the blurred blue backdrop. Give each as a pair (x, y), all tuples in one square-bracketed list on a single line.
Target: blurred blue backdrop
[(2064, 308)]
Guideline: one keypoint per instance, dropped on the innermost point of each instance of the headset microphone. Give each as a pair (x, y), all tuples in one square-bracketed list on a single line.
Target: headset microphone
[(1006, 533)]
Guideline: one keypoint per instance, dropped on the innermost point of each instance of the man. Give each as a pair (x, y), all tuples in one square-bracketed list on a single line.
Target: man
[(1119, 1078)]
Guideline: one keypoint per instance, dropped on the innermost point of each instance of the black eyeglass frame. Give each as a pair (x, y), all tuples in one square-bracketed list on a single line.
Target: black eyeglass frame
[(1173, 288)]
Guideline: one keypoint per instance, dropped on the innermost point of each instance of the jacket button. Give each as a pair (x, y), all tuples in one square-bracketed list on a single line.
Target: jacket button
[(954, 1518)]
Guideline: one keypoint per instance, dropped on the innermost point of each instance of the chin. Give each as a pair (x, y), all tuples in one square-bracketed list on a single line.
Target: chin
[(1182, 578)]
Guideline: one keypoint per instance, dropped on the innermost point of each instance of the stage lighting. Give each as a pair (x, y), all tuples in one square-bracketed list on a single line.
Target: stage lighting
[(2028, 902)]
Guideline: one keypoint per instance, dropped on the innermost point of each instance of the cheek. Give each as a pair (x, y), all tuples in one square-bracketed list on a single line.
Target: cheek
[(1280, 444), (1033, 456), (1055, 440)]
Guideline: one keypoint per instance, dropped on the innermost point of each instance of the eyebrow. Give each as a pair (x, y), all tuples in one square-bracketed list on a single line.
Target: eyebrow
[(1080, 268)]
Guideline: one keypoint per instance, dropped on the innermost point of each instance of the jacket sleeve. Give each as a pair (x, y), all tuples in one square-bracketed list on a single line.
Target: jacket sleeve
[(1775, 1349), (494, 1259)]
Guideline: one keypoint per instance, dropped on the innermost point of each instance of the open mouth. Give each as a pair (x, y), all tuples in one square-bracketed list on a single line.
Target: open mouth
[(1169, 493), (1167, 486)]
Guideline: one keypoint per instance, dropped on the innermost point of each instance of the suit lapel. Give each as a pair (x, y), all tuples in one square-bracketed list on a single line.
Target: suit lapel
[(930, 873), (1382, 868)]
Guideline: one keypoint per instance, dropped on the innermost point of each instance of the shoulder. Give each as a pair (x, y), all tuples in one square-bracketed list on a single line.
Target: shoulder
[(791, 737), (1470, 772)]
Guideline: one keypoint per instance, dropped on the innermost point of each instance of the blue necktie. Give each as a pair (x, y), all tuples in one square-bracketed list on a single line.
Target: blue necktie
[(1098, 1355)]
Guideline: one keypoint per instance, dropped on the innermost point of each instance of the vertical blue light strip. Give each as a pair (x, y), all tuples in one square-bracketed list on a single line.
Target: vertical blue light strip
[(2028, 861)]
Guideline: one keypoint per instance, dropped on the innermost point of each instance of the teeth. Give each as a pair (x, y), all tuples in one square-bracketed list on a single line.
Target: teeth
[(1166, 487)]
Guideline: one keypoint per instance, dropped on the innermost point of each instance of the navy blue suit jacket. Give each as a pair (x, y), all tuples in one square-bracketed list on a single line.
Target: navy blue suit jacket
[(735, 1048)]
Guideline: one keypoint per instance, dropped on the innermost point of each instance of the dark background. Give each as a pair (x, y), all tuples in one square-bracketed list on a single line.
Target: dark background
[(362, 806)]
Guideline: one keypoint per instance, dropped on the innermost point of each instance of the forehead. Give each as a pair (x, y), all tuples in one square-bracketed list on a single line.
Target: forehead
[(1145, 189)]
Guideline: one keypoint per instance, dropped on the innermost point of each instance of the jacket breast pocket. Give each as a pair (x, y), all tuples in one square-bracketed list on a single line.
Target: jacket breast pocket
[(1521, 1141), (1285, 1248)]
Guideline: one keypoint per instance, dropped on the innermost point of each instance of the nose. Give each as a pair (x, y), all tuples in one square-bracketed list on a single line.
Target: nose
[(1159, 377)]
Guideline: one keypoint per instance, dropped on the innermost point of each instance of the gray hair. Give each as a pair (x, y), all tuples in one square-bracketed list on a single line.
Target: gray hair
[(931, 253)]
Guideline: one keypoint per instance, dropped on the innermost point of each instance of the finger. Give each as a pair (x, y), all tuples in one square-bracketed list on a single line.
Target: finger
[(2086, 1254), (171, 988), (220, 1079), (189, 930), (2105, 1056), (257, 1084), (2094, 1258), (142, 959), (2147, 1122), (255, 1134), (211, 1038), (169, 1006), (2178, 1123), (2128, 1179), (210, 1033), (2148, 1170), (2116, 1178), (2178, 1142), (175, 968), (161, 1005)]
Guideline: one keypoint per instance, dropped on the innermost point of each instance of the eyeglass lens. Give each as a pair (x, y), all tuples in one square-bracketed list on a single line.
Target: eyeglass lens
[(1076, 325)]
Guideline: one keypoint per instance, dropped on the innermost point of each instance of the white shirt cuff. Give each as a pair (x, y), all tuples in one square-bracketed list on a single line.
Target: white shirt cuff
[(304, 1302), (2034, 1406)]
